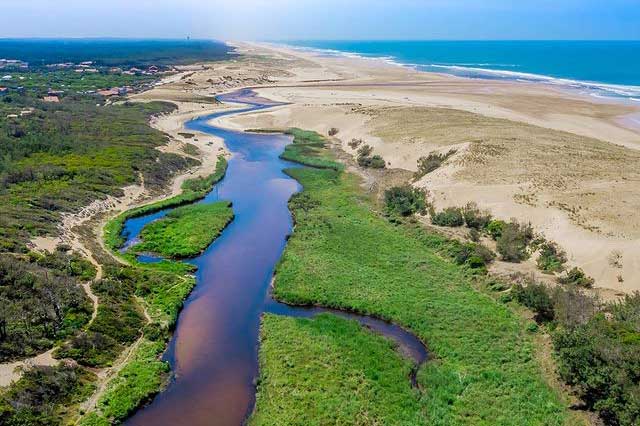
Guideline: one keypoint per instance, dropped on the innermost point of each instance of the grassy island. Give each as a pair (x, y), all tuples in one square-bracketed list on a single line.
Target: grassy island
[(186, 231)]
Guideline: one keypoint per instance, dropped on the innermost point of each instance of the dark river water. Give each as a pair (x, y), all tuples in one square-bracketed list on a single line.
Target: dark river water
[(214, 351)]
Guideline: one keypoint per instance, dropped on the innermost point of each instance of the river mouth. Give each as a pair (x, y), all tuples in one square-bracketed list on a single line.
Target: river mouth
[(214, 350)]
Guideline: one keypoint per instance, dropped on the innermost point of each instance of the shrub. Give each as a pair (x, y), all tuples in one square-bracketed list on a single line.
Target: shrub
[(37, 397), (576, 276), (572, 306), (91, 349), (535, 297), (513, 241), (600, 357), (474, 235), (405, 200), (552, 257), (355, 143), (365, 151), (365, 159), (451, 216), (495, 227), (431, 162), (375, 162), (333, 131), (474, 217), (474, 255), (303, 201)]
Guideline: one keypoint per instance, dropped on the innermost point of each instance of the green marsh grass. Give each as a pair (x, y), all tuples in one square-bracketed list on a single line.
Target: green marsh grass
[(482, 369), (367, 381), (186, 231), (192, 190)]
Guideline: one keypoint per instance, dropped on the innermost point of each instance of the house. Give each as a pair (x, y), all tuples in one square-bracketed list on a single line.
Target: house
[(3, 91), (79, 70), (86, 63), (115, 70), (91, 70), (7, 77), (26, 112), (53, 99), (153, 69), (52, 92), (12, 116)]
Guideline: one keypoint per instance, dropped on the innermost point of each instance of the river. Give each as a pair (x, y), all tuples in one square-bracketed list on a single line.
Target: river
[(214, 350)]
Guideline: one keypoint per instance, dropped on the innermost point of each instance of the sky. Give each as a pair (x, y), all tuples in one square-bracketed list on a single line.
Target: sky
[(323, 19)]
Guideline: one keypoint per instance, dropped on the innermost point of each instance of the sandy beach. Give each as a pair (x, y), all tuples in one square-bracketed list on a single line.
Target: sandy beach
[(562, 160)]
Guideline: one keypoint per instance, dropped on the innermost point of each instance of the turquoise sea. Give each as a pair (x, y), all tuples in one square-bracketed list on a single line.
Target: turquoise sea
[(600, 68)]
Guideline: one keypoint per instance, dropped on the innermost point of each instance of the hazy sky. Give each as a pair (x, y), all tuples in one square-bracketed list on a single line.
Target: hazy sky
[(323, 19)]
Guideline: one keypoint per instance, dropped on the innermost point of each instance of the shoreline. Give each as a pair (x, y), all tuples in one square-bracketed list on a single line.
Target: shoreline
[(627, 106), (629, 93)]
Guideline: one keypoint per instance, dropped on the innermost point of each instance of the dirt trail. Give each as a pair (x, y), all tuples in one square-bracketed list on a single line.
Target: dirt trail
[(105, 375)]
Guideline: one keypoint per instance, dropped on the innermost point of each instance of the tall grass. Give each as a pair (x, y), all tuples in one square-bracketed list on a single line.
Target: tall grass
[(482, 369)]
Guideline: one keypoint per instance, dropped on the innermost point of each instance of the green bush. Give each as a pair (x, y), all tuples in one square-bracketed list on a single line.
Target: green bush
[(91, 349), (474, 255), (451, 216), (365, 159), (495, 227), (513, 242), (374, 162), (576, 276), (40, 396), (600, 360), (535, 297), (474, 217), (431, 163), (405, 200), (552, 258)]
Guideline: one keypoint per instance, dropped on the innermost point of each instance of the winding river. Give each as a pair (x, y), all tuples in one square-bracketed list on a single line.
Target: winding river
[(214, 350)]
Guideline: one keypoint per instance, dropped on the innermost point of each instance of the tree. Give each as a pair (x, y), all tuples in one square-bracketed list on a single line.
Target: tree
[(405, 200)]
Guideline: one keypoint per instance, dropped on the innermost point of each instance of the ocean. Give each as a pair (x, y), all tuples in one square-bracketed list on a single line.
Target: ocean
[(599, 68)]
